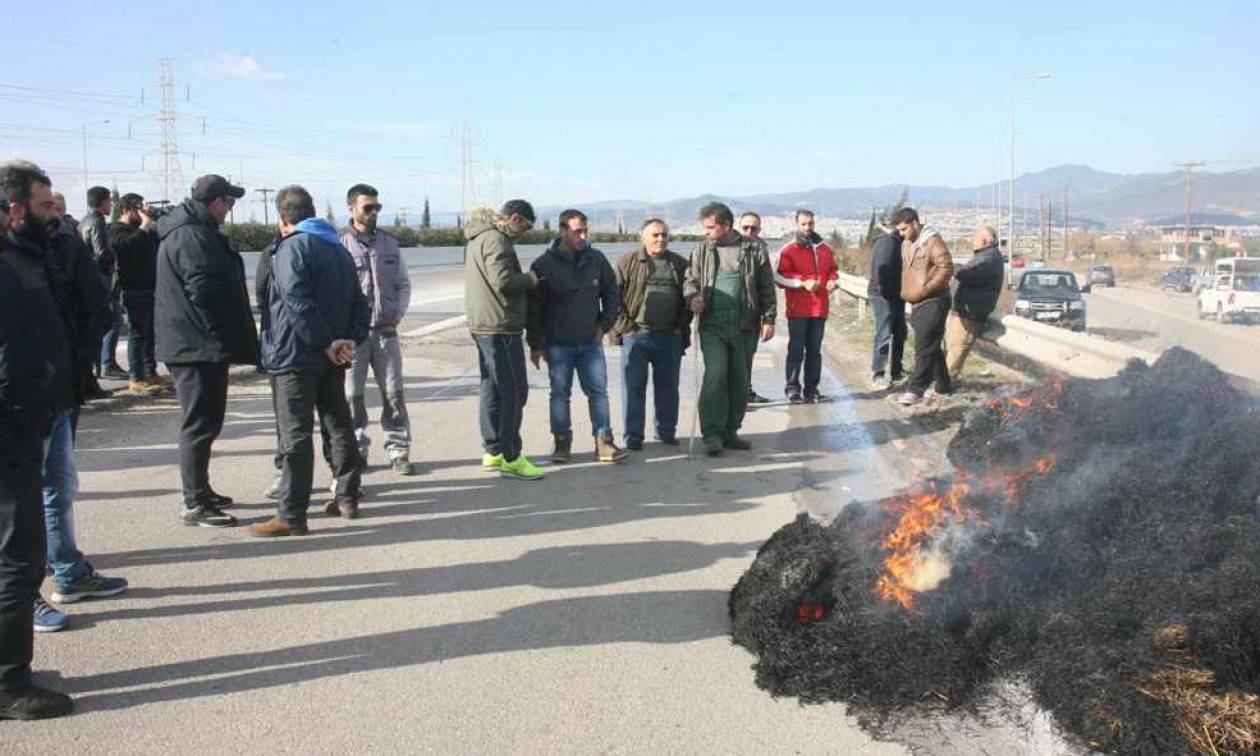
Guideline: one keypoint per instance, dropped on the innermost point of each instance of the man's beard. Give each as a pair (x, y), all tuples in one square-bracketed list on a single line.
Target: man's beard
[(39, 231), (369, 225)]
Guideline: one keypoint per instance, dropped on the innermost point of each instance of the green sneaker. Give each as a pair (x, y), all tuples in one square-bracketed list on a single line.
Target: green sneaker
[(491, 462), (522, 469)]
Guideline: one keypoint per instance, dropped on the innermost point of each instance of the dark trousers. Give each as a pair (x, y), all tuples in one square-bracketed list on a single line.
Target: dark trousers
[(504, 391), (202, 389), (113, 329), (928, 320), (298, 396), (805, 337), (22, 552), (662, 352), (139, 306), (890, 336)]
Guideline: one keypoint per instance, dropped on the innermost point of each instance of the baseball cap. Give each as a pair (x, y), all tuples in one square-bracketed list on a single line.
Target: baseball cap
[(213, 186)]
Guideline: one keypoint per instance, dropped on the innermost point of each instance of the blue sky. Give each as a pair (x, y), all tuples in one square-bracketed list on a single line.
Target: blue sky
[(589, 101)]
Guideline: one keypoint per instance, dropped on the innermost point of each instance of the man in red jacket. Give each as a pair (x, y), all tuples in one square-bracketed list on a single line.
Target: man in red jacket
[(807, 271)]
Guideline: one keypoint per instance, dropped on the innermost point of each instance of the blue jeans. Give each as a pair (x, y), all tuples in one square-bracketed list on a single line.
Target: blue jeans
[(109, 341), (503, 392), (588, 360), (662, 351), (890, 336), (61, 483), (805, 337)]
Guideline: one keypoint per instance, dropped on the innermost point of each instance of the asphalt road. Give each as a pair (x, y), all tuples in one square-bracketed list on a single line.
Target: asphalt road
[(463, 613), (1156, 320)]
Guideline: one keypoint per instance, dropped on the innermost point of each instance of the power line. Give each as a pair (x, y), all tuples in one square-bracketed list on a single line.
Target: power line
[(264, 192)]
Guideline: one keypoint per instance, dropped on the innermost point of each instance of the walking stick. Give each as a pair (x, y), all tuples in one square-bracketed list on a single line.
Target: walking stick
[(695, 372)]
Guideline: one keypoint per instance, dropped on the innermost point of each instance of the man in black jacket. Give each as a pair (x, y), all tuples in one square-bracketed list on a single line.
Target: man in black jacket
[(35, 359), (884, 294), (93, 230), (133, 243), (314, 315), (574, 304), (979, 286), (203, 324), (75, 270)]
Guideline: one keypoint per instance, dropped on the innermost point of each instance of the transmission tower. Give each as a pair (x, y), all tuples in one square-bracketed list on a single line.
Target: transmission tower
[(172, 176), (466, 193), (1189, 167)]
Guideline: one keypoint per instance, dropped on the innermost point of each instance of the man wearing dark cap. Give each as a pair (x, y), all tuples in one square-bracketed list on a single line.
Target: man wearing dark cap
[(203, 324), (495, 299), (133, 243)]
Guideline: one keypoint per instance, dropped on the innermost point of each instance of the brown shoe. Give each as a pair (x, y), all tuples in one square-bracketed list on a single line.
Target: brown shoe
[(607, 451), (344, 508), (143, 387), (274, 528), (563, 449)]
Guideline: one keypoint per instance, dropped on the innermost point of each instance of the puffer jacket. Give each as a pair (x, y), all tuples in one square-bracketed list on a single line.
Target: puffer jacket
[(926, 268), (382, 272), (495, 288), (313, 299), (799, 263), (202, 309), (758, 304)]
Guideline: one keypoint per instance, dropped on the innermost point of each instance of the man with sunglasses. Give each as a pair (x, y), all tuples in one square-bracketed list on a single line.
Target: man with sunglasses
[(750, 227), (202, 324), (383, 279)]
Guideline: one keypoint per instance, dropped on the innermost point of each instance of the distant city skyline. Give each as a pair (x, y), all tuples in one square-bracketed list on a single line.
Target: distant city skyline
[(569, 103)]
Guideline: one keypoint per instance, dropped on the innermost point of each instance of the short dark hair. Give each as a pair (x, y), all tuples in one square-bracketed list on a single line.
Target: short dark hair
[(802, 211), (653, 222), (906, 215), (519, 207), (366, 190), (569, 215), (718, 212), (294, 204), (17, 177), (96, 197), (750, 212), (130, 201)]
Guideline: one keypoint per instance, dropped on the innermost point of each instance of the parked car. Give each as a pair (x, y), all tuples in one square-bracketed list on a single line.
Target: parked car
[(1233, 292), (1102, 275), (1052, 296), (1180, 278)]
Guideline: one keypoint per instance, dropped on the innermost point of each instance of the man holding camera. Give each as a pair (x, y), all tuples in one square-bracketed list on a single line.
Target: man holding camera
[(133, 242)]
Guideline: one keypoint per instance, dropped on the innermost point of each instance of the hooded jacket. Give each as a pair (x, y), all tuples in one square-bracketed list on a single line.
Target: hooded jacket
[(202, 309), (575, 295), (979, 284), (382, 272), (495, 288), (758, 304), (800, 262), (926, 268), (313, 299)]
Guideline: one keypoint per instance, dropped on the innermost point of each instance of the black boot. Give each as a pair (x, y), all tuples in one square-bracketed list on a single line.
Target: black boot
[(33, 702)]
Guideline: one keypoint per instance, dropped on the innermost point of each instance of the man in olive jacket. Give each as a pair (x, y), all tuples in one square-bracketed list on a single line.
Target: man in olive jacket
[(495, 301), (202, 324), (730, 285), (925, 274)]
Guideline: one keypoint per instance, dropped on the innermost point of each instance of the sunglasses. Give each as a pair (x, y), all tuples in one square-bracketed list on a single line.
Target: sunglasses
[(372, 207), (751, 228)]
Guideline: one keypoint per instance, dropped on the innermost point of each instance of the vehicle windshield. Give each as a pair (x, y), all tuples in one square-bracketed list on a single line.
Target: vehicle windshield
[(1247, 283), (1062, 282)]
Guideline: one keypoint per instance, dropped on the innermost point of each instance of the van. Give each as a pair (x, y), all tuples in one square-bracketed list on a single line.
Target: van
[(1232, 292)]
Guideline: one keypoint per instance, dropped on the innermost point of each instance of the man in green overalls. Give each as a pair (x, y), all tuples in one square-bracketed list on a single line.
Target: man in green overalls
[(730, 286)]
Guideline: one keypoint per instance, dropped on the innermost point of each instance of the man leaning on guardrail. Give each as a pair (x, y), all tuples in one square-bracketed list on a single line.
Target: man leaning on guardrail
[(979, 286)]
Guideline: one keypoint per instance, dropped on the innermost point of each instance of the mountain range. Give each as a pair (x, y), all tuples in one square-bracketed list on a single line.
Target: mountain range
[(1111, 198)]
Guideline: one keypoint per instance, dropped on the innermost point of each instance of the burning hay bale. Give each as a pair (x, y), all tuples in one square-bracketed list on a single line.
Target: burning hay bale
[(1099, 540)]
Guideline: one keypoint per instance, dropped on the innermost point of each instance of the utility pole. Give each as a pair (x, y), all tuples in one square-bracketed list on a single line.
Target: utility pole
[(1041, 219), (466, 191), (1066, 226), (1189, 167), (264, 192)]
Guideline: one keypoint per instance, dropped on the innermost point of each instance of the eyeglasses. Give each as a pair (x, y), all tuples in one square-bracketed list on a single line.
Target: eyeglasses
[(372, 207)]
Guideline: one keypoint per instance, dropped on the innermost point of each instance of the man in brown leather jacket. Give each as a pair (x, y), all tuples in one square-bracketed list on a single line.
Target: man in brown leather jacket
[(926, 269)]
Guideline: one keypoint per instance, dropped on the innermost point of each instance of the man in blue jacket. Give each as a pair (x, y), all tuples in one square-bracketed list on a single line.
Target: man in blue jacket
[(314, 315), (574, 304)]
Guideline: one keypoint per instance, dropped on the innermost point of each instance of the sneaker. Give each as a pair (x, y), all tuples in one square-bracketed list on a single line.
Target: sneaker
[(91, 585), (207, 516), (142, 387), (879, 382), (275, 528), (218, 500), (909, 399), (114, 372), (713, 447), (608, 451), (737, 443), (48, 619), (816, 397), (521, 469), (273, 491), (160, 380), (794, 397), (491, 462), (755, 398), (402, 466), (563, 449), (34, 702)]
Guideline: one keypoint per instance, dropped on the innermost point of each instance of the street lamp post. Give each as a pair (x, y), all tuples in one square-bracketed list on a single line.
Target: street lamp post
[(1010, 238), (85, 160)]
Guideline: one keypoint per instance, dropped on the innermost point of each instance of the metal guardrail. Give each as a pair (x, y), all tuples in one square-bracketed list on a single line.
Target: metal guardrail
[(1076, 354)]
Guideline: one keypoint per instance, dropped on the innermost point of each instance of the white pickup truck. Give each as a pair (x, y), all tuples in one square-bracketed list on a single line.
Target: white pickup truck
[(1232, 290)]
